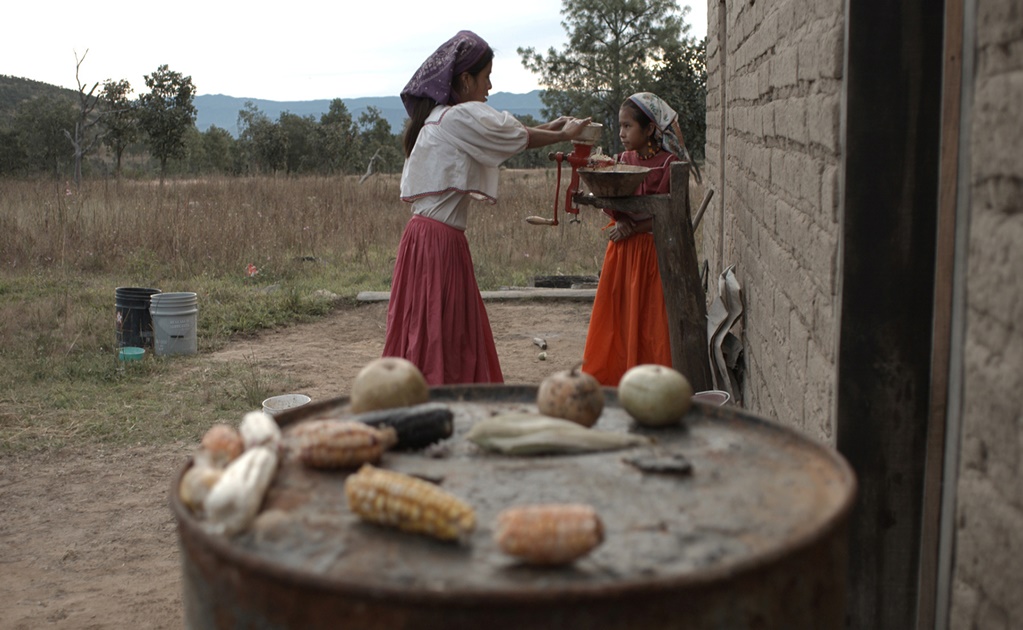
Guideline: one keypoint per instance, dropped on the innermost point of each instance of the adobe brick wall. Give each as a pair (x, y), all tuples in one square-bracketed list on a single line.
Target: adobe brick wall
[(988, 582), (777, 209), (779, 200)]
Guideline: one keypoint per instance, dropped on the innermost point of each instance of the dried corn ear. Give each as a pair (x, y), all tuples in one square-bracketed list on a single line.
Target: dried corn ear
[(260, 429), (196, 484), (549, 534), (398, 500), (235, 499), (338, 443), (417, 426), (221, 444)]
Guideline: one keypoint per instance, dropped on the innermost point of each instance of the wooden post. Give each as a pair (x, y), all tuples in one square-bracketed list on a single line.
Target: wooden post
[(684, 298), (888, 225), (680, 277)]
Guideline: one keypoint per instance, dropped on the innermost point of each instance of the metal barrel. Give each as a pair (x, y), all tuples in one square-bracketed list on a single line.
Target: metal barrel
[(754, 537)]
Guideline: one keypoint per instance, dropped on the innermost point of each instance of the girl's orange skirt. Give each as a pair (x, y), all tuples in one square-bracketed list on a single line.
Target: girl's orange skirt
[(629, 324)]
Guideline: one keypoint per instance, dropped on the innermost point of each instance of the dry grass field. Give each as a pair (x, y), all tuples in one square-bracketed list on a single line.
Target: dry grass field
[(314, 242)]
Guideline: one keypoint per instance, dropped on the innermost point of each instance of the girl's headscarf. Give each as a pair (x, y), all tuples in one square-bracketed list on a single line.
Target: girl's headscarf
[(668, 131), (433, 78)]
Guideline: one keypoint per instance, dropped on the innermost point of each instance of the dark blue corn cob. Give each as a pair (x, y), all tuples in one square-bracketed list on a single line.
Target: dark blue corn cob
[(416, 426)]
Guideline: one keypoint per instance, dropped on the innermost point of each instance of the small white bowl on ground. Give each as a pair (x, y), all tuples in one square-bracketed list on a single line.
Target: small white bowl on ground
[(276, 404), (713, 396)]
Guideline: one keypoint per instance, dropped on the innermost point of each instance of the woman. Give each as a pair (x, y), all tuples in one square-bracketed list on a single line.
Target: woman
[(454, 143), (629, 323)]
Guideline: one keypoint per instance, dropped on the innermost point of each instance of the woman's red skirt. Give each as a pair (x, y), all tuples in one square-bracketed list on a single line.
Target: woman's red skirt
[(436, 318)]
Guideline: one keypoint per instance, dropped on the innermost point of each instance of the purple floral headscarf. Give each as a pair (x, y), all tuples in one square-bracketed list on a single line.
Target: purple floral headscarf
[(433, 78)]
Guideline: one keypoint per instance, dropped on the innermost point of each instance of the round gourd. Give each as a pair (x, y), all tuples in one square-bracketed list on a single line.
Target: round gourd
[(655, 395), (386, 383), (571, 395)]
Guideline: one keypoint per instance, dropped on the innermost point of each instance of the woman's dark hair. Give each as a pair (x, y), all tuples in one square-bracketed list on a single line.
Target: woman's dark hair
[(637, 114), (423, 106)]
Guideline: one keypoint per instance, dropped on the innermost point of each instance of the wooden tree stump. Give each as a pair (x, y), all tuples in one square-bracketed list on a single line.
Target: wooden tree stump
[(680, 272)]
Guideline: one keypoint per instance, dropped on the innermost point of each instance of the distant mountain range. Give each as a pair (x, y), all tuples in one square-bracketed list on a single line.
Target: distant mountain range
[(222, 111)]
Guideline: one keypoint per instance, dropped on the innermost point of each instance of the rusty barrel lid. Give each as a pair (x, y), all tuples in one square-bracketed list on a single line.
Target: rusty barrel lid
[(758, 493)]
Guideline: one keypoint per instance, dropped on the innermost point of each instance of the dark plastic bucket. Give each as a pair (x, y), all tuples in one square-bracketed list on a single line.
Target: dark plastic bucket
[(134, 324)]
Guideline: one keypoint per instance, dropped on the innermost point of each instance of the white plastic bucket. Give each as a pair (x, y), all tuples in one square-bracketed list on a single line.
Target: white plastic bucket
[(174, 323), (276, 404)]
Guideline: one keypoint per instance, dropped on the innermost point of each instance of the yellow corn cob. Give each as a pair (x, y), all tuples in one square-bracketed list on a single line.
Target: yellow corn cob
[(549, 534), (339, 443), (391, 498)]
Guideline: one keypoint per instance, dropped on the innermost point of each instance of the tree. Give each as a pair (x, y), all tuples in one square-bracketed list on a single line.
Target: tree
[(166, 113), (218, 144), (41, 123), (82, 140), (682, 82), (120, 118), (12, 157), (338, 141), (375, 134), (614, 49), (300, 148), (264, 141)]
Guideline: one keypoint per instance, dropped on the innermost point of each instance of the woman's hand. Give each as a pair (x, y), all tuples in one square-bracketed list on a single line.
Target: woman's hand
[(555, 125), (574, 126), (558, 130)]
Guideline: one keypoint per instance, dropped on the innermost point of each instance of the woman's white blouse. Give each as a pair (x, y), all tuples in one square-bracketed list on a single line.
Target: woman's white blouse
[(456, 157)]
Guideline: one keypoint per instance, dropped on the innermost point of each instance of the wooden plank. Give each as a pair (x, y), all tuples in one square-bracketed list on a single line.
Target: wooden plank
[(892, 140), (945, 256)]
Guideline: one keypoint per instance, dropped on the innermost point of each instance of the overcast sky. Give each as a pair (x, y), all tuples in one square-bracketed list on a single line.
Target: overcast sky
[(294, 50)]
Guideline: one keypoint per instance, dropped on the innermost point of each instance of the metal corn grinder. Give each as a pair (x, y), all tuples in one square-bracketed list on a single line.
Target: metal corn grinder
[(578, 158)]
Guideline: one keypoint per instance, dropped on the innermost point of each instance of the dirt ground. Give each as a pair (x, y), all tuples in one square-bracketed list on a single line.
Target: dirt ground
[(87, 539)]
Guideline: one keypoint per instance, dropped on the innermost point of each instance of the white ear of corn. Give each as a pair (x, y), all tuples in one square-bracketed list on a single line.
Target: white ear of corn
[(548, 534), (398, 500), (235, 498), (260, 429)]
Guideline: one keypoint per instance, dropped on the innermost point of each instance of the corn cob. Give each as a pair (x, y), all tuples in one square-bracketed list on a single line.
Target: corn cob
[(339, 443), (259, 429), (417, 426), (391, 498), (221, 444), (196, 484), (548, 534), (235, 498)]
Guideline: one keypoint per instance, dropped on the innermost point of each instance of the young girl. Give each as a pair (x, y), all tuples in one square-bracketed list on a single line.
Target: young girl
[(454, 144), (629, 324)]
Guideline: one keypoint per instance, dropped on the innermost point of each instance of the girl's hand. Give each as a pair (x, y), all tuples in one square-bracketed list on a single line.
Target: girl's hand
[(622, 230)]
